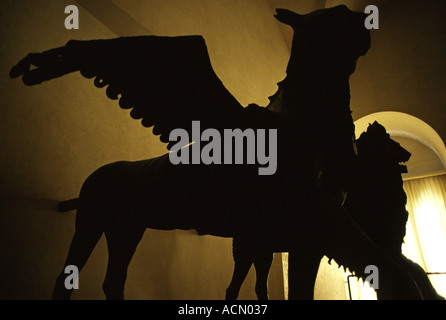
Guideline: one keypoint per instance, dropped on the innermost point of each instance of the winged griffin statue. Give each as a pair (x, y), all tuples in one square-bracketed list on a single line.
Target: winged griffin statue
[(169, 83)]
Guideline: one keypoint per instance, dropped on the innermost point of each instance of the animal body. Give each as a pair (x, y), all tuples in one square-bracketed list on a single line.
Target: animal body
[(158, 77)]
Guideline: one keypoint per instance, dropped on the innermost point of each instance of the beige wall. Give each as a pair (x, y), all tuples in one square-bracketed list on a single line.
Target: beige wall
[(54, 135), (405, 68)]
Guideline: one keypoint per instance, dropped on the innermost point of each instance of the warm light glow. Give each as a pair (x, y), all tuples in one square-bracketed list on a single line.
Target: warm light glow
[(285, 274), (356, 289), (425, 241)]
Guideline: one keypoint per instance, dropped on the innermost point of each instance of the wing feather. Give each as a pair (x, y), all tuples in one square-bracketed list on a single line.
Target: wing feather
[(167, 82)]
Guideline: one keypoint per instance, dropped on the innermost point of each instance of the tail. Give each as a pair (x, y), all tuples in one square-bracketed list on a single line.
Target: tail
[(68, 205)]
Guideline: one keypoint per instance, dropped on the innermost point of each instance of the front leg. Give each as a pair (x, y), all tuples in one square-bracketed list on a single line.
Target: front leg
[(302, 273), (243, 252), (262, 263)]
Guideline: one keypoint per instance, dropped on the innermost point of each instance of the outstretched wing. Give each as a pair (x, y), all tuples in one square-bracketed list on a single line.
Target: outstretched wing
[(167, 81)]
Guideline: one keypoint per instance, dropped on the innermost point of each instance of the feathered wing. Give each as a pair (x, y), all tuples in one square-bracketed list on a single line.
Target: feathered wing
[(167, 81)]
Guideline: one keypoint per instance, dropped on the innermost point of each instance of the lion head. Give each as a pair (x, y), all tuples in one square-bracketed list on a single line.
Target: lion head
[(375, 146)]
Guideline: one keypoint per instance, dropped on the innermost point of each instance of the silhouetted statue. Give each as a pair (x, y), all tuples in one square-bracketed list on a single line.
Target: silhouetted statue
[(377, 202), (169, 82)]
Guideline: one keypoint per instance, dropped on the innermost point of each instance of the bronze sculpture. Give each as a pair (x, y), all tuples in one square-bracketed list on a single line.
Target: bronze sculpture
[(169, 83)]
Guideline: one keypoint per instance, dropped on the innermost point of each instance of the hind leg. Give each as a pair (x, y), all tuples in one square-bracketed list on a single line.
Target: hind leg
[(84, 240), (122, 243), (243, 254), (302, 272), (262, 263)]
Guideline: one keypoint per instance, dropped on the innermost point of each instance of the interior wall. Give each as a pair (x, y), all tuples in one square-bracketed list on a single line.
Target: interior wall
[(404, 70), (55, 134)]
